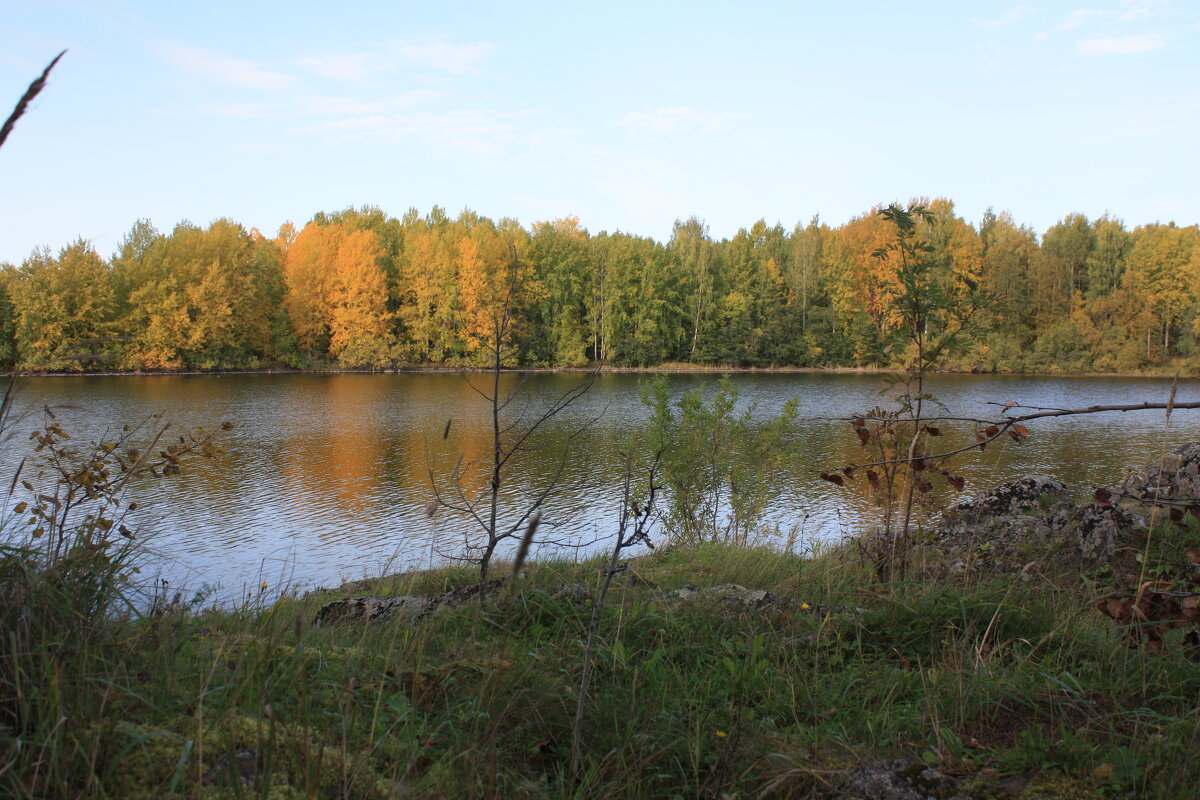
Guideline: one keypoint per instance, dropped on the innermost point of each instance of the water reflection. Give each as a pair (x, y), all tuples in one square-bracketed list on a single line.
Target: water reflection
[(327, 477)]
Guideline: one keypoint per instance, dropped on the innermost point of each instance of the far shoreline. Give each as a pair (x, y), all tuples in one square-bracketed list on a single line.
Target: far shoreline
[(671, 369)]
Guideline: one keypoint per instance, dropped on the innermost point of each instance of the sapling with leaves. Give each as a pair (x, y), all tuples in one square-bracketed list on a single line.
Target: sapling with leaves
[(78, 492), (932, 316), (719, 463)]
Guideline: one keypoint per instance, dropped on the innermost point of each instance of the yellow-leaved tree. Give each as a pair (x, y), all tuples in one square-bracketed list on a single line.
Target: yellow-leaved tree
[(359, 321), (310, 273), (495, 287)]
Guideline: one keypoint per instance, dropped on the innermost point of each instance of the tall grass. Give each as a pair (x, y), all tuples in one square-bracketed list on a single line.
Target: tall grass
[(988, 677)]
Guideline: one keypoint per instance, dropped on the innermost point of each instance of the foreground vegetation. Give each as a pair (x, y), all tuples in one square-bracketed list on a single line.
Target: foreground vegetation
[(362, 289), (992, 678)]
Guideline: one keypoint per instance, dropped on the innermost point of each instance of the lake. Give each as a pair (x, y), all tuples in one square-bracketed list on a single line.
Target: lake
[(327, 477)]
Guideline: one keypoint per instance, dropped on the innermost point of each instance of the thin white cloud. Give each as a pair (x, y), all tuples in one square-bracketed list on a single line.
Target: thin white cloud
[(453, 57), (476, 132), (341, 66), (1015, 14), (1140, 9), (226, 69), (1076, 18), (327, 106), (1133, 13), (674, 119), (321, 105), (249, 110), (1120, 45)]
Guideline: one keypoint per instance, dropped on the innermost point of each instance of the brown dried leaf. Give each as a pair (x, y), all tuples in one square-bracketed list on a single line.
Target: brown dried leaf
[(864, 436), (932, 431), (873, 479), (1118, 608), (833, 478), (1103, 496), (956, 481), (922, 484)]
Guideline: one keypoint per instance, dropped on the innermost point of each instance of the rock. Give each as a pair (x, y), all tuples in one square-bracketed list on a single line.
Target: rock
[(732, 597), (1031, 520), (407, 608), (372, 609), (1018, 497), (1177, 475), (898, 779), (456, 598)]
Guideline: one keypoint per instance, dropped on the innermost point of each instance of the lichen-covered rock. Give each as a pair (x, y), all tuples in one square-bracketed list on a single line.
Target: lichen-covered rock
[(1031, 520), (733, 597), (456, 598), (1018, 498), (372, 609), (898, 779), (1175, 475)]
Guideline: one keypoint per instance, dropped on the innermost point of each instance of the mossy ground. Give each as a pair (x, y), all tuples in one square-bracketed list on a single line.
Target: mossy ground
[(992, 679)]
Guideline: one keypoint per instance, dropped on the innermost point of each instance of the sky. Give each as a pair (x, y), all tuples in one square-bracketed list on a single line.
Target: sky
[(629, 115)]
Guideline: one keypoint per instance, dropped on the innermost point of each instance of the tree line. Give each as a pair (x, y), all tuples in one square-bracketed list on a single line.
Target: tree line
[(361, 289)]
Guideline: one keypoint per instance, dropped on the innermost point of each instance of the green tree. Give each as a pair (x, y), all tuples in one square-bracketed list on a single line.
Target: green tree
[(1105, 264), (63, 307), (1062, 271)]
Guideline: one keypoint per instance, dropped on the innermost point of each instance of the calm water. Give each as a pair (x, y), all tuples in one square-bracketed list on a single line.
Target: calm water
[(326, 477)]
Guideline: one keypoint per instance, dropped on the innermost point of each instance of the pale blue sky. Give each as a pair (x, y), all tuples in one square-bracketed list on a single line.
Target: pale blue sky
[(629, 115)]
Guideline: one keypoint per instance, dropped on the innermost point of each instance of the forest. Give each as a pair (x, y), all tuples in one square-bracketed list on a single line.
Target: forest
[(359, 289)]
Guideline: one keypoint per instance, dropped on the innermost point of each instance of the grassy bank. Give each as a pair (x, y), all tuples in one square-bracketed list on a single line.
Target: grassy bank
[(1016, 685)]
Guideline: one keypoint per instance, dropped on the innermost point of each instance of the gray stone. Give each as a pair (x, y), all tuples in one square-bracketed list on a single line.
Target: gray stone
[(733, 597), (897, 779), (1175, 475), (372, 609), (1031, 520)]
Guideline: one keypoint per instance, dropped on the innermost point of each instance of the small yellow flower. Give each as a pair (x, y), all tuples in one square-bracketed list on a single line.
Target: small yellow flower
[(721, 734), (264, 586), (805, 606)]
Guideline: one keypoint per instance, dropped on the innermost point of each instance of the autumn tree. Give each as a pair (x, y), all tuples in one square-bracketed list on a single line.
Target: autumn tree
[(62, 307), (360, 332), (310, 271), (1156, 275), (429, 304)]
